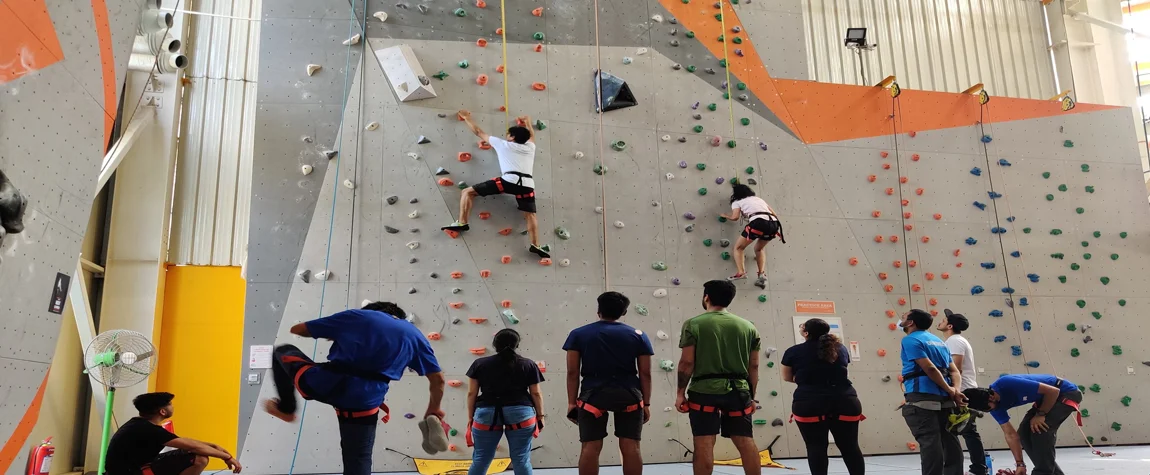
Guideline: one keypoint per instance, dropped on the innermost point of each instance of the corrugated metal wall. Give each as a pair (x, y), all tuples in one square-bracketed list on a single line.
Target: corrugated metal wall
[(214, 172), (936, 45)]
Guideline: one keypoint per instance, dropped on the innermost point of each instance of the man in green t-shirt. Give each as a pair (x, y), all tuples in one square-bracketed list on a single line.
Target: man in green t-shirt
[(718, 374)]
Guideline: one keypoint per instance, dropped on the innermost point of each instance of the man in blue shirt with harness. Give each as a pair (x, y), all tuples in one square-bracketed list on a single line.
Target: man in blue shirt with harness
[(516, 156), (931, 384), (1053, 399), (370, 348)]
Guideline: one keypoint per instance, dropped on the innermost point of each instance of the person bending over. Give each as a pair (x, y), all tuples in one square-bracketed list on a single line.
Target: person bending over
[(1054, 399), (762, 227), (516, 156), (931, 385), (718, 374), (370, 348), (825, 400), (614, 360), (135, 448), (504, 399)]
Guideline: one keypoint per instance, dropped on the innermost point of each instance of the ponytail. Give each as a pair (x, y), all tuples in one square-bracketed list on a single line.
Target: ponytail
[(829, 347), (506, 341)]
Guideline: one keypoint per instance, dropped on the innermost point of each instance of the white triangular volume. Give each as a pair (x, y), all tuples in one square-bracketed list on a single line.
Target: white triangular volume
[(404, 72)]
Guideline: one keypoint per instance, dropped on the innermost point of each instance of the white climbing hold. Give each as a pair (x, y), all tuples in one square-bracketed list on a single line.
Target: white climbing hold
[(312, 68), (413, 155), (413, 214), (306, 170), (304, 275), (665, 138), (381, 15), (667, 409), (330, 154), (662, 335), (564, 262), (413, 245), (641, 51), (323, 275), (599, 209), (657, 18), (350, 184), (660, 293), (619, 224), (306, 139), (670, 177), (353, 40), (627, 60), (372, 126), (578, 154), (410, 317), (770, 351)]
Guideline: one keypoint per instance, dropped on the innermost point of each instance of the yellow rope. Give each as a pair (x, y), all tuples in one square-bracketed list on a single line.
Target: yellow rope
[(727, 69), (503, 29)]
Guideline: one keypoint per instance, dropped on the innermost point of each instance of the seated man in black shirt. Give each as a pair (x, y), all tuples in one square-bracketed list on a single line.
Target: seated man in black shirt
[(135, 449)]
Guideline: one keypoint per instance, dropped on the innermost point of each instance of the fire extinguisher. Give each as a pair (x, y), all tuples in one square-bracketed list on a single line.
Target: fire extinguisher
[(40, 458)]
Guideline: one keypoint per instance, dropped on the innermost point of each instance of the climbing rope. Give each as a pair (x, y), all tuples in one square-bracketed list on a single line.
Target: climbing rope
[(602, 150), (503, 31), (727, 70), (331, 223)]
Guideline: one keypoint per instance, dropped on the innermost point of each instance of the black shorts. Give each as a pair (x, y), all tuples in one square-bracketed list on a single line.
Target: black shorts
[(524, 196), (717, 421), (628, 425), (761, 228), (170, 463)]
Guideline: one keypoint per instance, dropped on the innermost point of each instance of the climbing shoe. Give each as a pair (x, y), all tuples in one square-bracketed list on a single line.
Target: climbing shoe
[(737, 276), (761, 282), (457, 227), (542, 252), (434, 435)]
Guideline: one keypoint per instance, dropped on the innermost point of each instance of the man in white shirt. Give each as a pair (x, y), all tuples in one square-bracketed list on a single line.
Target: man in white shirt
[(516, 156), (962, 353)]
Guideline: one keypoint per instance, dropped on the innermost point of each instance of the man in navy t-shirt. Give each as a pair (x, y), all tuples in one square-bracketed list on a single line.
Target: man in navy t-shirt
[(1053, 399), (370, 348), (615, 362), (931, 385)]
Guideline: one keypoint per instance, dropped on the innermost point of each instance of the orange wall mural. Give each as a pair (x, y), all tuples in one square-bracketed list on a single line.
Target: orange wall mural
[(27, 39)]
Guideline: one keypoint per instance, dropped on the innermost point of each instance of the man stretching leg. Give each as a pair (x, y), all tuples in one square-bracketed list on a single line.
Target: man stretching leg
[(516, 161)]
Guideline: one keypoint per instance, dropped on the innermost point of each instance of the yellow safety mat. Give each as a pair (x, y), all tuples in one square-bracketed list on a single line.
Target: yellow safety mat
[(764, 461), (451, 467)]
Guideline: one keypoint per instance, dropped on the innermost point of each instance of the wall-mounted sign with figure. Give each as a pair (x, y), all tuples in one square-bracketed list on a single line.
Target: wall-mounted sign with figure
[(12, 205)]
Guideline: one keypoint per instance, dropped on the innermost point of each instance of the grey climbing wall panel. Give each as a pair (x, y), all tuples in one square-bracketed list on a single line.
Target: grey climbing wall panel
[(822, 192)]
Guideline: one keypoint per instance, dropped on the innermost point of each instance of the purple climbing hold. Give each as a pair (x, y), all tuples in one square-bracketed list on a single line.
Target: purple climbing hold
[(682, 164), (409, 416), (738, 52), (762, 145), (719, 181), (675, 281), (695, 106), (723, 85), (689, 215)]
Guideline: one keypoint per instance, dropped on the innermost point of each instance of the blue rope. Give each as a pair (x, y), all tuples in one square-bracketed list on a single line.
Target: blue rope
[(330, 227)]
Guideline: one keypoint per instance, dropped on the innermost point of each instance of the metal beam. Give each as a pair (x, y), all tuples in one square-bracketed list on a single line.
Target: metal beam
[(1104, 23), (85, 325), (146, 115)]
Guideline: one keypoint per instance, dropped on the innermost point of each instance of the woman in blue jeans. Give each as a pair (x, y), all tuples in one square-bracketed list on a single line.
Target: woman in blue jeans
[(504, 398)]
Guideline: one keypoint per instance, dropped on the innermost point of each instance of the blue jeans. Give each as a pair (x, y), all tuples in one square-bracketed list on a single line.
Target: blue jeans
[(356, 439), (518, 440)]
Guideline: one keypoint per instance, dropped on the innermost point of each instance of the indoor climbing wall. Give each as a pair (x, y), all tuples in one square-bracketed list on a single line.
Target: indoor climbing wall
[(927, 200), (55, 56)]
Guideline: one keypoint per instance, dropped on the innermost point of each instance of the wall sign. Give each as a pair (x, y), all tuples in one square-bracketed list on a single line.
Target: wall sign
[(59, 293), (822, 307)]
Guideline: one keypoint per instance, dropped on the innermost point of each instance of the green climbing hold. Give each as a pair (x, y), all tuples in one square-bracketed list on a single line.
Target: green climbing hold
[(698, 129), (1046, 175), (1062, 187), (1089, 438), (1097, 234), (1122, 234), (723, 63), (1074, 352), (462, 185), (668, 424), (774, 393), (1079, 210), (1058, 255), (1095, 388), (440, 75), (1055, 232), (707, 242), (1121, 302), (760, 422), (1085, 168), (737, 40), (721, 38), (702, 191), (1071, 327), (1080, 303), (691, 68), (750, 170), (562, 233), (730, 144), (1075, 266), (641, 309), (619, 145), (1087, 256), (1126, 400), (464, 64), (1068, 144), (599, 169), (1086, 413), (741, 86), (734, 181), (1026, 230), (726, 95), (1062, 279), (725, 255), (1085, 244), (1104, 280), (745, 121), (459, 12), (538, 36), (1096, 315), (1049, 197), (719, 16), (770, 364), (712, 106), (762, 298), (539, 125), (690, 34), (659, 265), (700, 166), (454, 432), (512, 319), (1089, 189), (1116, 427), (722, 219)]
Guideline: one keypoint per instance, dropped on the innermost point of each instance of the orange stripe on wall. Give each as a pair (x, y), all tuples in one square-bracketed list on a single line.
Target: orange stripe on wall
[(108, 65), (15, 444), (28, 39)]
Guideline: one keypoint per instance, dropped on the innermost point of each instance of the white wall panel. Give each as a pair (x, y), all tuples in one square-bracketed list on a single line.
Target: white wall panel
[(213, 183), (935, 45)]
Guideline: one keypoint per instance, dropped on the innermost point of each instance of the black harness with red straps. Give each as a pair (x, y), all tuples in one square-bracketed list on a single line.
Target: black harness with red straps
[(770, 217), (345, 370), (499, 183)]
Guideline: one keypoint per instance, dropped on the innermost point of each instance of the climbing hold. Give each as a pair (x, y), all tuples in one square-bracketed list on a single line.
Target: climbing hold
[(702, 191), (461, 185), (538, 11), (538, 86), (979, 205), (1003, 162), (456, 305), (619, 145), (484, 273), (599, 169), (463, 64), (1055, 232), (562, 233), (995, 313), (724, 242), (998, 230), (1121, 302), (697, 129), (986, 139), (976, 290), (464, 156), (915, 157), (976, 171), (745, 121), (538, 48), (306, 170), (1032, 277), (546, 261), (1122, 234), (919, 191), (987, 265), (712, 106), (1000, 338), (505, 231), (538, 36), (390, 230), (1085, 168), (619, 224), (1079, 210), (456, 275), (1105, 280), (312, 68), (1033, 364), (719, 181), (725, 255), (659, 265), (889, 191), (422, 140), (627, 60), (1086, 256), (690, 67), (971, 241), (382, 16), (994, 194)]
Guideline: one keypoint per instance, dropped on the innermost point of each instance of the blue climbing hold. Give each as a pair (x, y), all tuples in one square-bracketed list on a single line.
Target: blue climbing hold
[(976, 171), (994, 194), (1016, 254), (987, 265), (1016, 350), (986, 139), (1003, 162), (996, 313), (971, 241), (1010, 219), (977, 290), (1023, 302), (981, 206), (1026, 325), (1032, 364), (1032, 277), (998, 230), (1008, 290), (1000, 338)]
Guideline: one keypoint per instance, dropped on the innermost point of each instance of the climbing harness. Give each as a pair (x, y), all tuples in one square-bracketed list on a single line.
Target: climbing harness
[(919, 373), (345, 370), (731, 378), (595, 411), (499, 184), (496, 427), (770, 217), (816, 419)]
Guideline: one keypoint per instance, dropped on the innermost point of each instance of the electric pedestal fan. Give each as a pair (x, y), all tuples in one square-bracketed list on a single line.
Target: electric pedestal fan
[(117, 359)]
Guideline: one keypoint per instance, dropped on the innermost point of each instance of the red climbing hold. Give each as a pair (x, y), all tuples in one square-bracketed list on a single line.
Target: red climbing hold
[(902, 301), (480, 4), (912, 263), (882, 276), (884, 154), (957, 252), (505, 231), (483, 145), (456, 305), (505, 259), (505, 303), (484, 215), (881, 352), (456, 275), (478, 351), (465, 156), (482, 43), (906, 202), (945, 275), (499, 31), (871, 178), (929, 276), (546, 261), (854, 261), (919, 191), (937, 216), (925, 239), (958, 264), (897, 264), (916, 288), (915, 157), (934, 313), (906, 215), (434, 336), (455, 383), (890, 314), (886, 166), (878, 238), (912, 133), (481, 80), (446, 182), (477, 320), (451, 233), (894, 239), (888, 288), (539, 49), (889, 191), (903, 179), (537, 12), (876, 213), (933, 301), (892, 327), (499, 69), (908, 227), (484, 273), (502, 108)]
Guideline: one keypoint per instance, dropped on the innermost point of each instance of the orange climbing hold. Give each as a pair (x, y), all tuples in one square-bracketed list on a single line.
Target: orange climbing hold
[(453, 234), (481, 80), (483, 145), (908, 227), (537, 11), (452, 447), (882, 276), (916, 288), (919, 191), (876, 213), (482, 43), (945, 275), (958, 264), (446, 182), (464, 156), (499, 69), (925, 239), (905, 202), (889, 191), (902, 301), (505, 259), (892, 327), (929, 276), (871, 178), (933, 301), (890, 314), (505, 231), (456, 275), (906, 214), (957, 252), (539, 49), (913, 263), (456, 305), (912, 133), (477, 320), (455, 383), (480, 4), (897, 264), (546, 261), (878, 238), (484, 273), (854, 261), (884, 154), (499, 31), (934, 313), (886, 166), (937, 216), (434, 336), (888, 288), (915, 157), (479, 351), (903, 179), (484, 215), (881, 352), (505, 304), (910, 445), (502, 108), (894, 239)]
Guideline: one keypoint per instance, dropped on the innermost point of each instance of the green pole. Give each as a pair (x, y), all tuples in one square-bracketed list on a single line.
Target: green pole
[(104, 434)]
